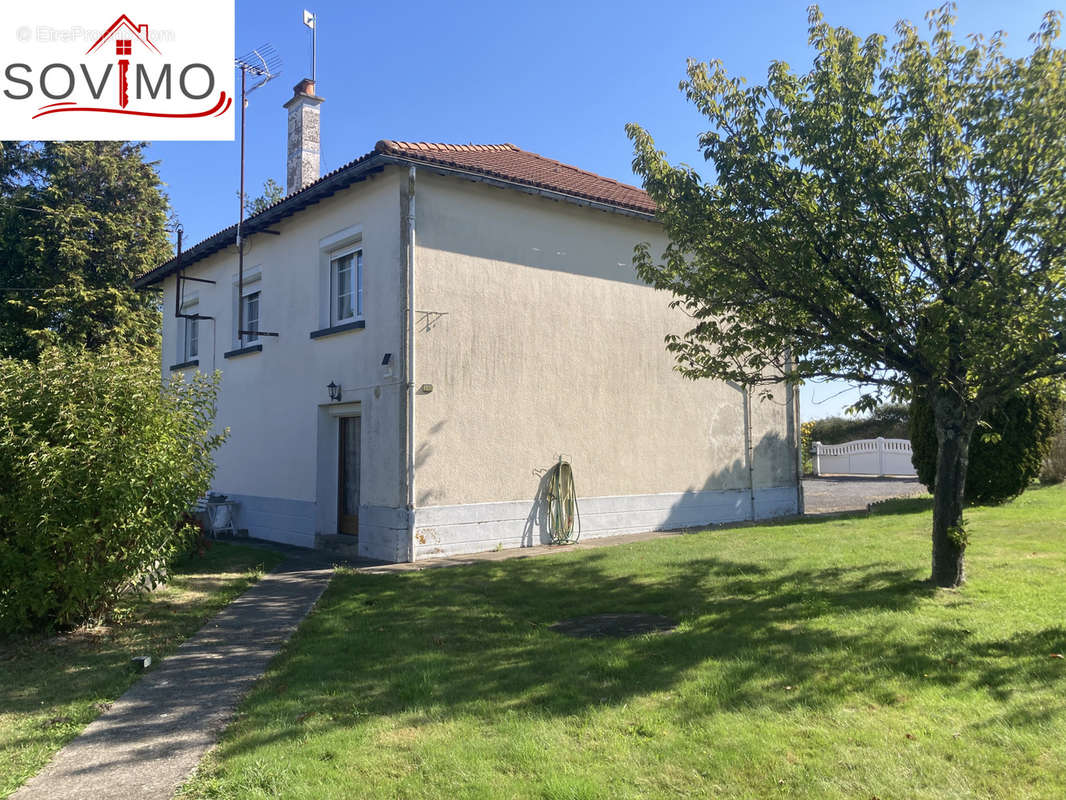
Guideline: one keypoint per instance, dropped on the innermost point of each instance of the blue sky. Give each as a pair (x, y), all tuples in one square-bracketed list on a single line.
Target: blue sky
[(559, 78)]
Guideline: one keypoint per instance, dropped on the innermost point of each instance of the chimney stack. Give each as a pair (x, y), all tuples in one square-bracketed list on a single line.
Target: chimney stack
[(302, 168)]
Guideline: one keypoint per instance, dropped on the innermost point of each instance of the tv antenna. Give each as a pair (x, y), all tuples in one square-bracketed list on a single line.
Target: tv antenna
[(263, 64)]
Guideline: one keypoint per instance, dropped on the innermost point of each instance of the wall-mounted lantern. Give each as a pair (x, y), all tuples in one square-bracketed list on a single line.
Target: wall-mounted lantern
[(386, 366), (334, 391)]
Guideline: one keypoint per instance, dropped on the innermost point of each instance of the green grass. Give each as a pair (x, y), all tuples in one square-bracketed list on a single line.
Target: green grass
[(52, 687), (811, 661)]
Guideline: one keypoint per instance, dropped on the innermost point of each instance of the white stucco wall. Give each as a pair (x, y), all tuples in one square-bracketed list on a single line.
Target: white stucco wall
[(540, 341), (281, 455)]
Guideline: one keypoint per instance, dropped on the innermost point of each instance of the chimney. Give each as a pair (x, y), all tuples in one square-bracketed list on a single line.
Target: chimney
[(302, 167)]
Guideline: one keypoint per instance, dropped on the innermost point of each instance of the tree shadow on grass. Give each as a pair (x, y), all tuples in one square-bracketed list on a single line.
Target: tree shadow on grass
[(475, 641)]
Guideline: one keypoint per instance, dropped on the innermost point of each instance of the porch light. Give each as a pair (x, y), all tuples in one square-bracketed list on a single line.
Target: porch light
[(334, 391)]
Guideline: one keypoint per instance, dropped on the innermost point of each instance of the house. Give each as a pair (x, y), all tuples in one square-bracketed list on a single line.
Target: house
[(450, 321)]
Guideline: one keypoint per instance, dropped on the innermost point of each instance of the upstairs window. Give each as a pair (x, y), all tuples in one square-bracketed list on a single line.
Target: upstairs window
[(251, 317), (346, 286), (192, 339)]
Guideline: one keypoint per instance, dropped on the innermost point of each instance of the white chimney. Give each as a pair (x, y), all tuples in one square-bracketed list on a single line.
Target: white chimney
[(302, 168)]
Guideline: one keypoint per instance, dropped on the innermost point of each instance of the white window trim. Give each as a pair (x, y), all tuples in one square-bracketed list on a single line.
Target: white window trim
[(190, 305), (252, 284), (357, 284), (329, 247)]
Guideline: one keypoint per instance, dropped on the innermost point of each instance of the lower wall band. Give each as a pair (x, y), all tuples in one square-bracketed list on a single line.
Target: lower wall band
[(442, 531)]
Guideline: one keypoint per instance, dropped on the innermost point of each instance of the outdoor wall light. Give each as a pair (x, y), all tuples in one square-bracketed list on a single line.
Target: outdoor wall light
[(334, 391), (386, 365)]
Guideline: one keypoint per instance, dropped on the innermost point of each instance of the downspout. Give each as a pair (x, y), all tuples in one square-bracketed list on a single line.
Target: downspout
[(749, 453), (409, 364), (797, 431)]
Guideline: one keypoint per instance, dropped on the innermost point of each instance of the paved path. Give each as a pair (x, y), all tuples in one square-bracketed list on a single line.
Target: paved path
[(153, 737), (826, 495)]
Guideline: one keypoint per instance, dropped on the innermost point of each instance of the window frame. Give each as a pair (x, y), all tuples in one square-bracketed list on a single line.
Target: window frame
[(192, 337), (246, 300), (356, 278)]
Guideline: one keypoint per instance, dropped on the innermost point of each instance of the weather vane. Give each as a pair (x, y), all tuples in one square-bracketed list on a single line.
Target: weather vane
[(311, 21)]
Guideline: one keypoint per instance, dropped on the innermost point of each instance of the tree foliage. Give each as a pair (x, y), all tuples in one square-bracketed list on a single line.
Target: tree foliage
[(78, 222), (271, 194), (98, 463), (893, 217), (1007, 450)]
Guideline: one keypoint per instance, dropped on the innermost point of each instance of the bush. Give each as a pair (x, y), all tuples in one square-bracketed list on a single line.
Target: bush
[(1054, 469), (98, 462), (889, 421), (1007, 449)]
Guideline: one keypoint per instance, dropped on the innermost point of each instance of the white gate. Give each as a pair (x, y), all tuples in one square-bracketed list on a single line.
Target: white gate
[(864, 457)]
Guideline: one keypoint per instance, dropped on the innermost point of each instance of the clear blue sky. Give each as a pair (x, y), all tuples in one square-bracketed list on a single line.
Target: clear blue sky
[(558, 78)]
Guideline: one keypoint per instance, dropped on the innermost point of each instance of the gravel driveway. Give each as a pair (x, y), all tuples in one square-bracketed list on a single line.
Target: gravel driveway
[(848, 493)]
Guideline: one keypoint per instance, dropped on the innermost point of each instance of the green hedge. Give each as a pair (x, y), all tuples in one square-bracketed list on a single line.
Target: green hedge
[(1007, 450), (98, 461)]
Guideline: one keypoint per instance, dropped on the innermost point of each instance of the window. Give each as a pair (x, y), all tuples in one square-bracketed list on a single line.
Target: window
[(346, 286), (192, 339), (251, 317), (123, 47)]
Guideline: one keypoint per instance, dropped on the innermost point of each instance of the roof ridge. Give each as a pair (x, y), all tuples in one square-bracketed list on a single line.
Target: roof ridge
[(393, 145)]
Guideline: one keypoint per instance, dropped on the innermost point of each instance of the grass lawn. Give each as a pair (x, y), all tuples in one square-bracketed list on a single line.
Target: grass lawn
[(52, 687), (811, 661)]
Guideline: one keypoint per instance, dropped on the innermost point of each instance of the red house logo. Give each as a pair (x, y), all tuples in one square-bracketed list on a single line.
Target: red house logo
[(123, 26)]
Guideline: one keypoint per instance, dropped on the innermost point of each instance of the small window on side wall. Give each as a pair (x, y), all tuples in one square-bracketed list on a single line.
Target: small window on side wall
[(251, 318), (192, 339), (346, 286)]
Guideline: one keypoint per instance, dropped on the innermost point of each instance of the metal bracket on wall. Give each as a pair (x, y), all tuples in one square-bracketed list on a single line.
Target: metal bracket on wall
[(429, 318)]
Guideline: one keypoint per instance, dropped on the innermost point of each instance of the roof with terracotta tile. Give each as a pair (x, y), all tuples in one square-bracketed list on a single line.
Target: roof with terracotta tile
[(501, 164), (511, 163)]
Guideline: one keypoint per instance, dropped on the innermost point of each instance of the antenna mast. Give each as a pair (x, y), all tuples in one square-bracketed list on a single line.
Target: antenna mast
[(263, 63), (311, 21)]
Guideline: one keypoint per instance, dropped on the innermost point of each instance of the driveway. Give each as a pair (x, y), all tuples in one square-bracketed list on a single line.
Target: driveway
[(825, 495)]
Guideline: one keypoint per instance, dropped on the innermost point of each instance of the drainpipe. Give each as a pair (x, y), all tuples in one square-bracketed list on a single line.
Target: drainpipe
[(748, 451), (409, 364)]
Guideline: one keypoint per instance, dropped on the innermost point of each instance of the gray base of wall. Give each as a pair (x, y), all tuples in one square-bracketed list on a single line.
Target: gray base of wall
[(474, 528), (453, 530), (276, 519)]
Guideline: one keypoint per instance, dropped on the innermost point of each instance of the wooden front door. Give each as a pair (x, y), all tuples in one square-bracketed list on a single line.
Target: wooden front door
[(348, 476)]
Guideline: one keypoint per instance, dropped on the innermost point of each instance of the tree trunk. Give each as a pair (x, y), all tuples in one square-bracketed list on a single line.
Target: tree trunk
[(953, 432)]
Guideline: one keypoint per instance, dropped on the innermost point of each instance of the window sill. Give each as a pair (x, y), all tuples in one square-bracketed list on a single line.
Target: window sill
[(347, 326), (185, 365), (243, 351)]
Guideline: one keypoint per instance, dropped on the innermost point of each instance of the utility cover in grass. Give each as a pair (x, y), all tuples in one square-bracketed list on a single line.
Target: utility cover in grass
[(616, 625)]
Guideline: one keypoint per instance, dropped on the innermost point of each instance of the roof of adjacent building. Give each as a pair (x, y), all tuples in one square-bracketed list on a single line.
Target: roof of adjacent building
[(500, 164)]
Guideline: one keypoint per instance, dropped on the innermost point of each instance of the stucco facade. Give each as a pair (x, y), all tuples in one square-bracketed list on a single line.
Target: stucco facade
[(533, 339)]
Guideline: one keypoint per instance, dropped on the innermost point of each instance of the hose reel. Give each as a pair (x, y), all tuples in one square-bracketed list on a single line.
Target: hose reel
[(562, 503)]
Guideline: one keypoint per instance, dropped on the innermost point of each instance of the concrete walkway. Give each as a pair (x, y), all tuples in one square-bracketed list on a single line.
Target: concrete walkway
[(153, 737)]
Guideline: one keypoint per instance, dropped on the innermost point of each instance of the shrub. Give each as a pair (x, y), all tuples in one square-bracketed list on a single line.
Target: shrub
[(98, 462), (1006, 451), (889, 420), (1054, 468)]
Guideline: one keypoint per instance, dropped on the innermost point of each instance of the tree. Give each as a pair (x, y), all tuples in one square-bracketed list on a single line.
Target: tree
[(272, 193), (78, 222), (893, 217)]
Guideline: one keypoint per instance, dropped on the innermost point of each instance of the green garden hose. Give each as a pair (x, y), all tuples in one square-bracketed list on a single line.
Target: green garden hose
[(562, 503)]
